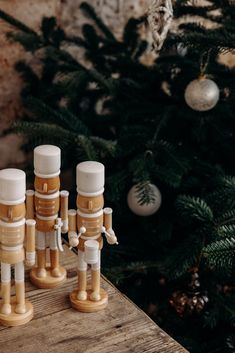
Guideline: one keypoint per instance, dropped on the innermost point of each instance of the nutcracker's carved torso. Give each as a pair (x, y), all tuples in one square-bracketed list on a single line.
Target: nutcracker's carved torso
[(47, 202), (12, 233), (90, 216)]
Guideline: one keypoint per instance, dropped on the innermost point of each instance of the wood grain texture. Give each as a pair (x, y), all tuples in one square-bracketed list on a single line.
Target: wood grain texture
[(121, 327)]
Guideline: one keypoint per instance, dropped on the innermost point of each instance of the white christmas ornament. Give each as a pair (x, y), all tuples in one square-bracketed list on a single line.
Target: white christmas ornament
[(145, 209), (202, 94)]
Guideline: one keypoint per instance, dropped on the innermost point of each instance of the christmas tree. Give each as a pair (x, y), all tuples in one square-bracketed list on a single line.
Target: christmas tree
[(165, 133)]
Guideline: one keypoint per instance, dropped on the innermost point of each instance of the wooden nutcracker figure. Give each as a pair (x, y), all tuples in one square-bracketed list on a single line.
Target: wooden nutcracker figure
[(86, 226), (13, 227), (44, 204)]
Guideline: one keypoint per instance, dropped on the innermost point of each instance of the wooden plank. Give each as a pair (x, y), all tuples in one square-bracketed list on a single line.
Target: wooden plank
[(122, 327)]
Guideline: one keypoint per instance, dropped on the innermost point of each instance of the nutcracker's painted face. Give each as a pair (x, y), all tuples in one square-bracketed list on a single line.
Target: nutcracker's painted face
[(47, 185), (90, 204), (12, 213)]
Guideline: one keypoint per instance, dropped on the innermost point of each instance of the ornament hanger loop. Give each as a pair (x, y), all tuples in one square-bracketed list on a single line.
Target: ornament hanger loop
[(204, 62)]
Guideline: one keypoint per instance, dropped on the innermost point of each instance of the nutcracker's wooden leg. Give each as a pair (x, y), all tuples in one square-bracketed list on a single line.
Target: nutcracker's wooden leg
[(6, 288), (95, 285), (20, 298), (41, 254), (82, 276), (54, 256), (41, 261), (95, 280), (6, 297), (20, 288), (55, 266)]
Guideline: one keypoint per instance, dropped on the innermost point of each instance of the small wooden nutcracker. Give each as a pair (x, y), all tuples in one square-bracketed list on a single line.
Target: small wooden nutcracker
[(86, 226), (16, 310), (44, 204)]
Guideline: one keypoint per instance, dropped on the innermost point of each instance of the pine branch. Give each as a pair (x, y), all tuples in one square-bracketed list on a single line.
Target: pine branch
[(29, 41), (131, 36), (39, 132), (62, 117), (220, 254), (226, 218), (89, 12), (84, 143), (173, 156), (105, 146), (193, 208), (227, 231), (80, 42), (108, 84), (27, 73), (17, 24), (168, 176), (230, 342), (183, 257), (145, 193), (116, 185)]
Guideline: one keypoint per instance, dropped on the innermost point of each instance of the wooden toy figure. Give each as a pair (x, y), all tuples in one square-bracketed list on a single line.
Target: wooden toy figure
[(16, 310), (89, 221), (44, 205)]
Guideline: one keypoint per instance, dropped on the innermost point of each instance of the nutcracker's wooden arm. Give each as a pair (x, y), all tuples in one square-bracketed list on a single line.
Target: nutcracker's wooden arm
[(107, 229), (30, 204), (72, 231), (108, 219), (30, 242), (64, 199)]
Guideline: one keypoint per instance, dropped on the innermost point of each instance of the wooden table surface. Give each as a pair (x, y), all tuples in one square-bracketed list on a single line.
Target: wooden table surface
[(122, 327)]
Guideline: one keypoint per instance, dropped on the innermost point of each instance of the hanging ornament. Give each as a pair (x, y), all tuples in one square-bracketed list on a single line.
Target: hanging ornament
[(181, 49), (202, 94), (146, 209), (160, 15), (191, 301)]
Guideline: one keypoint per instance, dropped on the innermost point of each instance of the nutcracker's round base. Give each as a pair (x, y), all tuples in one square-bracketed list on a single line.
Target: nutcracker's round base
[(89, 306), (13, 319), (49, 281)]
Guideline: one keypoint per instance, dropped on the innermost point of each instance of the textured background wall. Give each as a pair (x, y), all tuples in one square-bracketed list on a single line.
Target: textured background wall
[(30, 12), (115, 13)]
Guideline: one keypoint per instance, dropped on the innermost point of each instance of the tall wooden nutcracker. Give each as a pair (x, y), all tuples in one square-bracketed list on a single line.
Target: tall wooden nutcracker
[(13, 228), (86, 226), (44, 204)]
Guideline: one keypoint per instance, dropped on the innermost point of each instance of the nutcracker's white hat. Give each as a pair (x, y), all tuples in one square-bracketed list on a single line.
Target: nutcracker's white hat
[(47, 161), (90, 178), (12, 186)]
